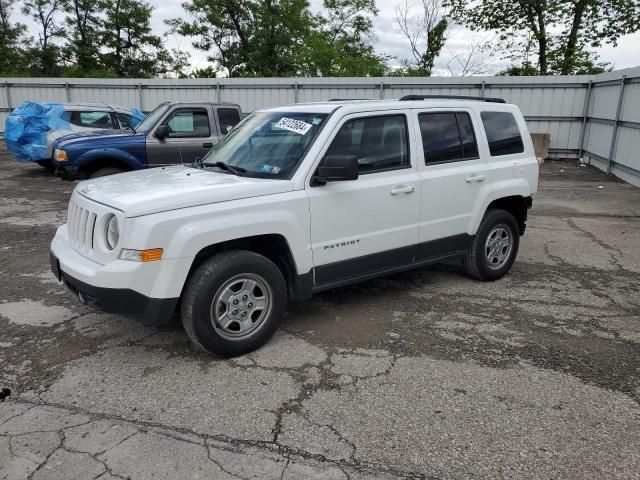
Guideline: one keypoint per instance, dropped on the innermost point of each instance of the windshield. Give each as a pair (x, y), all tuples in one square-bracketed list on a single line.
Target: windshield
[(268, 144), (151, 119)]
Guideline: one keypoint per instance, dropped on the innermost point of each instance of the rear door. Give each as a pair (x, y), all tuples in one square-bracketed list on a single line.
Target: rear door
[(454, 176), (192, 133)]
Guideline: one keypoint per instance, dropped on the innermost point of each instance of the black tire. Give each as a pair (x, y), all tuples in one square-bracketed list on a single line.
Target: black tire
[(476, 262), (210, 280), (103, 172), (48, 164)]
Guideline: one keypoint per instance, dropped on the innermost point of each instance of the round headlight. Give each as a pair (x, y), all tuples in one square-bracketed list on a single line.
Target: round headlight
[(112, 234)]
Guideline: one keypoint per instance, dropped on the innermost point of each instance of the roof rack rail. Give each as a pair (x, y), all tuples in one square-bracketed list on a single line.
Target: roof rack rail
[(452, 97), (346, 99)]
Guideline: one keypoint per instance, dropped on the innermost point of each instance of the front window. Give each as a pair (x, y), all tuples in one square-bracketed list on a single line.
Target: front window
[(268, 144), (189, 122), (151, 119)]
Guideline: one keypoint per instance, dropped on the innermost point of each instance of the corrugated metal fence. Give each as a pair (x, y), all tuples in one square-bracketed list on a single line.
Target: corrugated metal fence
[(595, 117)]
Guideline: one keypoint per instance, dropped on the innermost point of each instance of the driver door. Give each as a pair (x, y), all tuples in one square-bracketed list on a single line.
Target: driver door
[(192, 133), (360, 227)]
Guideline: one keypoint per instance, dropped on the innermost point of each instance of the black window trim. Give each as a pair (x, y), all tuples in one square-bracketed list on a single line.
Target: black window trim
[(172, 113), (407, 139), (453, 160), (524, 149)]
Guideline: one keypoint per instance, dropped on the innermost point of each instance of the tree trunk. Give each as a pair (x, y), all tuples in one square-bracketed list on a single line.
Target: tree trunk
[(572, 38)]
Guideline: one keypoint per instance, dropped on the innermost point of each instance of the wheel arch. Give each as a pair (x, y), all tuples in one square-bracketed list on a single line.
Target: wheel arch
[(272, 246), (516, 205)]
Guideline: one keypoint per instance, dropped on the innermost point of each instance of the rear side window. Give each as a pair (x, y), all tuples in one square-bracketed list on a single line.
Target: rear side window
[(447, 137), (380, 143), (228, 118), (503, 133), (95, 119), (192, 122)]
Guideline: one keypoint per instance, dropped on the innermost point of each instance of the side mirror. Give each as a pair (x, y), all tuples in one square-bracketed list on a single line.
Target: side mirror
[(162, 132), (335, 168)]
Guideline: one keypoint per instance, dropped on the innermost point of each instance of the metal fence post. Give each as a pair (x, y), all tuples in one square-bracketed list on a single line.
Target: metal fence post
[(382, 90), (8, 95), (614, 135), (140, 100), (482, 87), (295, 92), (67, 91), (218, 92), (585, 117)]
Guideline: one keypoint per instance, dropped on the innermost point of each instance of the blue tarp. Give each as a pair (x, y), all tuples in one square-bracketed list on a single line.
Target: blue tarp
[(27, 126), (136, 116)]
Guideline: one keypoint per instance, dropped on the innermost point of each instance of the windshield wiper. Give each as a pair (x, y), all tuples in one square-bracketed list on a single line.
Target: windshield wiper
[(230, 168)]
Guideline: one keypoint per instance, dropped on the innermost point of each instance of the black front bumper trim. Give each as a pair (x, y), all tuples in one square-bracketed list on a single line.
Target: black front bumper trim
[(123, 301)]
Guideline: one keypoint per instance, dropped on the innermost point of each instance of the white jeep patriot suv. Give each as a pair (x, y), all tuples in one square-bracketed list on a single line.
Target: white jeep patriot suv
[(299, 199)]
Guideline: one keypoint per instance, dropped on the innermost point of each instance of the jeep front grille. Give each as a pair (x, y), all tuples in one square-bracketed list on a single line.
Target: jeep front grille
[(81, 223)]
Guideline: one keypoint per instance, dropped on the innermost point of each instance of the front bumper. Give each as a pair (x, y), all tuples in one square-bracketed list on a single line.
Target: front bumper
[(148, 292), (65, 171), (151, 311)]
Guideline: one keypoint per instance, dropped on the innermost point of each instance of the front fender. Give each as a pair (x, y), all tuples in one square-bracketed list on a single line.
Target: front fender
[(88, 157), (185, 232)]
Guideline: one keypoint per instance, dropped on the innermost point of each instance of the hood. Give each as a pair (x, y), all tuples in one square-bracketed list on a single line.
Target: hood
[(95, 137), (155, 190)]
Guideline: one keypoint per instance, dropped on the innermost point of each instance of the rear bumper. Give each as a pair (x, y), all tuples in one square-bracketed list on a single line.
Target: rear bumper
[(124, 301)]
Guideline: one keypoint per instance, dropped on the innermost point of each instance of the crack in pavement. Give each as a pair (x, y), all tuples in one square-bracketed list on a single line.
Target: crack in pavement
[(170, 432)]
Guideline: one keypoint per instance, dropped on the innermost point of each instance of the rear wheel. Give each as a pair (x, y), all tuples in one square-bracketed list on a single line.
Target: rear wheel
[(233, 303), (103, 172), (494, 247)]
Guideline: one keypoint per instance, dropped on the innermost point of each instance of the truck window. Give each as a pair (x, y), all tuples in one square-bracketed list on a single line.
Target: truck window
[(503, 133), (447, 137), (227, 118), (380, 143), (189, 122), (91, 119), (124, 119)]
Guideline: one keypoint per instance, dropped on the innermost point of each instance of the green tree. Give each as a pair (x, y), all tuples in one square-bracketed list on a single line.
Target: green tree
[(340, 42), (562, 31), (247, 37), (276, 38), (130, 49), (45, 54), (425, 28), (83, 24), (12, 41)]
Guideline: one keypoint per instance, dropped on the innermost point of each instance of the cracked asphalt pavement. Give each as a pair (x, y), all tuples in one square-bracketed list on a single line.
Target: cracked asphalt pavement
[(425, 374)]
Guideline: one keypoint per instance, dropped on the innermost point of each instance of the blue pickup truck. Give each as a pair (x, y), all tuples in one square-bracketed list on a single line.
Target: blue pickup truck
[(175, 132)]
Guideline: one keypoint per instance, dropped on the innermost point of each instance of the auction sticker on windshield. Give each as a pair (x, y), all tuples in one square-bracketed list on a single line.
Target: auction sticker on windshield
[(296, 126)]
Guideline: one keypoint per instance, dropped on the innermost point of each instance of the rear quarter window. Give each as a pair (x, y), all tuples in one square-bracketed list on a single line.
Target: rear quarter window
[(503, 134)]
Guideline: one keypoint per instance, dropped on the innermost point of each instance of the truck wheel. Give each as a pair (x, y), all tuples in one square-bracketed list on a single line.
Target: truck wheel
[(494, 247), (233, 303), (48, 164), (103, 172)]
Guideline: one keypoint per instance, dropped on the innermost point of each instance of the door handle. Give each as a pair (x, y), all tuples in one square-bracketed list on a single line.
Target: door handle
[(403, 189), (474, 178), (207, 144)]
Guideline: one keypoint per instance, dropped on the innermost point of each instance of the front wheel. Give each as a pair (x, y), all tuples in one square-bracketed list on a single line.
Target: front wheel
[(103, 172), (233, 303), (494, 247)]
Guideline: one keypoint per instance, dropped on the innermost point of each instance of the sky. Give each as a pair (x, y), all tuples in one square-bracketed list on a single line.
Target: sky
[(388, 41)]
